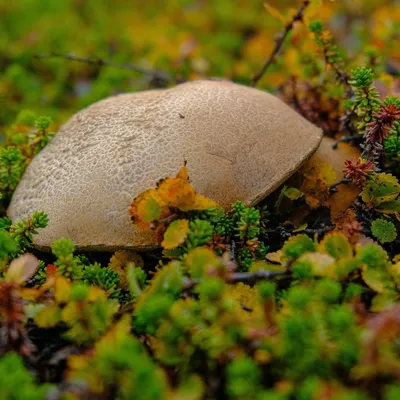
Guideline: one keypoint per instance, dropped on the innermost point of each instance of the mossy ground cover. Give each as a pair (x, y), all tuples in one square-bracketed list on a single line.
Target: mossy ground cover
[(285, 300)]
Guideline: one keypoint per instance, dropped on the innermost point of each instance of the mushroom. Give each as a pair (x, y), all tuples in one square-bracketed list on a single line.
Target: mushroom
[(240, 143)]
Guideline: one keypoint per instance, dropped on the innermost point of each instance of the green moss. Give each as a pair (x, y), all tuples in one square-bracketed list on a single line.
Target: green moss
[(210, 318)]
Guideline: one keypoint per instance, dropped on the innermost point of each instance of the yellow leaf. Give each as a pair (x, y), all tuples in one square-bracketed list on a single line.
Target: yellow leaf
[(275, 256), (382, 192), (336, 245), (327, 173), (30, 294), (96, 293), (62, 290), (77, 362), (301, 228), (241, 294), (377, 279), (175, 234), (115, 334), (71, 312), (394, 271), (322, 264), (274, 12), (292, 193), (345, 266), (48, 317), (201, 203)]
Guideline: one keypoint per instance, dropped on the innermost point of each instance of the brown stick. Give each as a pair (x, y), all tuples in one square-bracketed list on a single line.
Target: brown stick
[(280, 39), (240, 277), (332, 188)]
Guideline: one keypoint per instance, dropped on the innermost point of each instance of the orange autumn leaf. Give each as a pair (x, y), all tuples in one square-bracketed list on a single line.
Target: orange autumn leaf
[(176, 192), (183, 174), (170, 195), (179, 193)]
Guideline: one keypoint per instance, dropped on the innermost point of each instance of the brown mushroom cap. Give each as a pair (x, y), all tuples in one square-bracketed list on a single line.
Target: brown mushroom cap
[(240, 144)]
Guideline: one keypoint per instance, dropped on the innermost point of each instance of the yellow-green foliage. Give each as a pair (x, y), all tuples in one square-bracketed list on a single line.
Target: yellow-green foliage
[(86, 310), (264, 302)]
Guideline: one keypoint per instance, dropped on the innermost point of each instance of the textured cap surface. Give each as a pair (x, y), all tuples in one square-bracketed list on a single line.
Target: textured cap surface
[(240, 143)]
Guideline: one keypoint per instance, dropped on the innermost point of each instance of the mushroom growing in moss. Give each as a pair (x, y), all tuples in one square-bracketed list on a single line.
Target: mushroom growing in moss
[(240, 143)]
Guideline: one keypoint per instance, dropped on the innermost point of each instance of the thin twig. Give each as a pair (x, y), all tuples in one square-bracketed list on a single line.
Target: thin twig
[(288, 232), (254, 276), (348, 124), (280, 39), (154, 74), (346, 139), (319, 231), (332, 188), (373, 152), (233, 250), (245, 308), (340, 75), (239, 277), (165, 221)]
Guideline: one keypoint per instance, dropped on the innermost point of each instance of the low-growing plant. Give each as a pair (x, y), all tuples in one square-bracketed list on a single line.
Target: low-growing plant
[(283, 300)]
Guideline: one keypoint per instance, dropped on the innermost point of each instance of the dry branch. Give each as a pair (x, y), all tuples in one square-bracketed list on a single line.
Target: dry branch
[(280, 39), (249, 277)]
